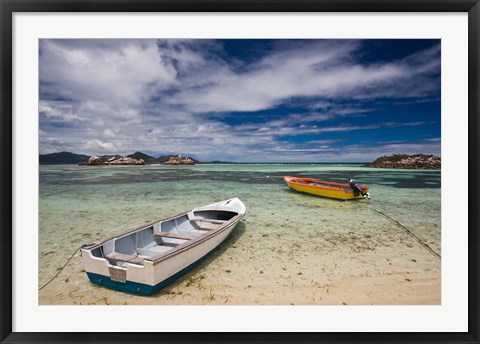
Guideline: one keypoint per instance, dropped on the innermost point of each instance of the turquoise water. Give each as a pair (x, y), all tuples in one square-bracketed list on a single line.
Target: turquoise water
[(79, 205)]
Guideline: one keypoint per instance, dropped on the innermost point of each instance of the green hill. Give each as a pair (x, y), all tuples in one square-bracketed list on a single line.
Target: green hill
[(147, 158), (62, 158)]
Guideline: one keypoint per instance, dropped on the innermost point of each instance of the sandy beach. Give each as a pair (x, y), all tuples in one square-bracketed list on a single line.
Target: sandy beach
[(348, 269), (344, 255)]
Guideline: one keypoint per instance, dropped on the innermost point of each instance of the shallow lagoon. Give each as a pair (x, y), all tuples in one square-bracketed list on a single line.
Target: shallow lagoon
[(290, 248)]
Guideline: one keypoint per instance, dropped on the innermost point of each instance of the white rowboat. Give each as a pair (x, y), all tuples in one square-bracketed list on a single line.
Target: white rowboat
[(146, 259)]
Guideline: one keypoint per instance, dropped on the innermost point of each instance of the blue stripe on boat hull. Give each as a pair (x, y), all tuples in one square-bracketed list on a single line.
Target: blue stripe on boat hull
[(141, 288)]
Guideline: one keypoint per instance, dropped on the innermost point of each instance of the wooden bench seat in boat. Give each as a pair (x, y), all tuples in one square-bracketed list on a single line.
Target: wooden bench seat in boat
[(125, 258), (153, 251), (204, 228), (175, 235), (201, 219)]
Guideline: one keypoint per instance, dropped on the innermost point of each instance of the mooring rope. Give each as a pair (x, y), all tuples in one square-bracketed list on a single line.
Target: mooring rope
[(410, 233), (63, 267)]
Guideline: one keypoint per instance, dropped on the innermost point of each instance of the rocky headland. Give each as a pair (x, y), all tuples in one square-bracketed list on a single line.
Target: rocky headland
[(123, 160), (179, 160), (416, 161)]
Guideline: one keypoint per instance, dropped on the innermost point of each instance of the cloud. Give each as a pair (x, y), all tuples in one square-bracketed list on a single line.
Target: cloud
[(98, 146), (198, 98), (348, 153), (120, 72), (319, 69), (108, 133), (61, 111)]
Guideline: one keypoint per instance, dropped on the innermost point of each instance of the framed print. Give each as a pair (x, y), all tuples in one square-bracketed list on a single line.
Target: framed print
[(235, 171)]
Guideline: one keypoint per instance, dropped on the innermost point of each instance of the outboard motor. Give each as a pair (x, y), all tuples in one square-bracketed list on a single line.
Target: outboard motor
[(357, 190)]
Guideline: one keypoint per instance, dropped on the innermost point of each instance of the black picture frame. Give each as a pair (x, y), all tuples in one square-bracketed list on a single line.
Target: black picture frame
[(9, 7)]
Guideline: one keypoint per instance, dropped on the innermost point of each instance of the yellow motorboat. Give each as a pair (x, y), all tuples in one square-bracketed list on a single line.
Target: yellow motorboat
[(351, 190)]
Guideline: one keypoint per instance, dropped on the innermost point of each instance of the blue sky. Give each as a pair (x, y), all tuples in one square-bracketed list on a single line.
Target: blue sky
[(241, 100)]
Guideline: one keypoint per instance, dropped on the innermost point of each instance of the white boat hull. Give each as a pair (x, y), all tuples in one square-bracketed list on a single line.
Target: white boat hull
[(144, 274)]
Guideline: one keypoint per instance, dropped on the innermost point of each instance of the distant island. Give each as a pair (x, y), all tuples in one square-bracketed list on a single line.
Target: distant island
[(137, 158), (416, 161)]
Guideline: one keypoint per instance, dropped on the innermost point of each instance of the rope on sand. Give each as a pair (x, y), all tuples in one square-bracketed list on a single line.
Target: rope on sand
[(63, 267), (409, 233)]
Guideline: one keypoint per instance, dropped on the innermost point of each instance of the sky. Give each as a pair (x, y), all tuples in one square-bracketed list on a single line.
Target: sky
[(262, 100)]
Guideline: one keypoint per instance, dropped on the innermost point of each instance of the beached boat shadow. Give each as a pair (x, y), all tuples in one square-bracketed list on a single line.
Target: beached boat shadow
[(203, 262)]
